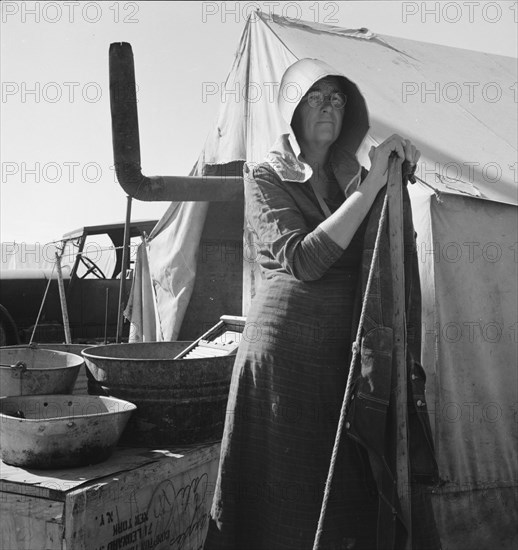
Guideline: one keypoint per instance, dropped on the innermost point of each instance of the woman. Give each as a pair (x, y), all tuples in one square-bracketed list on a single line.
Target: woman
[(307, 206)]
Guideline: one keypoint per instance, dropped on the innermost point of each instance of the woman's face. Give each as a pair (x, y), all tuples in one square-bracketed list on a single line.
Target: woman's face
[(318, 126)]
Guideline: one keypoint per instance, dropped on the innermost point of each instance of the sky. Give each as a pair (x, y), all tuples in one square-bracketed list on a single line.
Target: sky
[(55, 133)]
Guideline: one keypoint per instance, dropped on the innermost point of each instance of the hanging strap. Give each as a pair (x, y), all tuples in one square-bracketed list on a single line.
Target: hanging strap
[(320, 200), (352, 184), (348, 388)]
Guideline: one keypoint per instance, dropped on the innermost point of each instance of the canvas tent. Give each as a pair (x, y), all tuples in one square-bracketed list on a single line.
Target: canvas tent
[(459, 108)]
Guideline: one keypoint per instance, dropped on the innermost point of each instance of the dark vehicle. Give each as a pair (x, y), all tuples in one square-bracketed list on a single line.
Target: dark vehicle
[(91, 265)]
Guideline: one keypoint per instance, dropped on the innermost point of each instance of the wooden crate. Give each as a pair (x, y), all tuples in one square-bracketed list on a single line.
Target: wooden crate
[(138, 499)]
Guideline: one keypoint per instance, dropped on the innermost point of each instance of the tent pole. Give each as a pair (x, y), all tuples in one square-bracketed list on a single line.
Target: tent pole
[(62, 299), (124, 267), (395, 225)]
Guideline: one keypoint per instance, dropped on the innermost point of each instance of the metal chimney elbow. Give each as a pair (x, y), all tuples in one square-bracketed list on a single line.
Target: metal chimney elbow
[(126, 146)]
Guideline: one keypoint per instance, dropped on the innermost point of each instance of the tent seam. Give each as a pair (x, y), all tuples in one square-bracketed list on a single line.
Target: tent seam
[(260, 14)]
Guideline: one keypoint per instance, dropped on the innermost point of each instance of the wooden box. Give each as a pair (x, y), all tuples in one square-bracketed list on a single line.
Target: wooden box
[(139, 499)]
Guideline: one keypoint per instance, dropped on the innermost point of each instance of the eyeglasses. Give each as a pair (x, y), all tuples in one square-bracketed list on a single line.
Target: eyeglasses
[(315, 98)]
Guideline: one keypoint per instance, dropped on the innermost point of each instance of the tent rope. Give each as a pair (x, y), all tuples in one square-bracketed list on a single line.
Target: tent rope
[(348, 388), (436, 192)]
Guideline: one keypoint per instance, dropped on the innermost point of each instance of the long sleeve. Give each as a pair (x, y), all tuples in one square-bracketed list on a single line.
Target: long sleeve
[(286, 241)]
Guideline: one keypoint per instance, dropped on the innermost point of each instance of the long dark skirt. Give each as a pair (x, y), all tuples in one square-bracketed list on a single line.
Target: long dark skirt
[(286, 392)]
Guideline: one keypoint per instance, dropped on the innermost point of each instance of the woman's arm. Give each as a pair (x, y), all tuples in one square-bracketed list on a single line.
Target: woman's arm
[(282, 234), (343, 223)]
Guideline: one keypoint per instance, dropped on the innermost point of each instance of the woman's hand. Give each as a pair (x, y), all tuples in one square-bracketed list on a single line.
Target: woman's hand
[(342, 224), (379, 157)]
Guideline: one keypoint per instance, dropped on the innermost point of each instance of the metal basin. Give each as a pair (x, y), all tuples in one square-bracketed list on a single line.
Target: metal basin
[(81, 384), (60, 431), (178, 401), (33, 371)]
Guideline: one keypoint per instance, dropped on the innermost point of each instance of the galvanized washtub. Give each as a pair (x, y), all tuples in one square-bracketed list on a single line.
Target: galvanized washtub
[(32, 371), (60, 431), (178, 401), (81, 384)]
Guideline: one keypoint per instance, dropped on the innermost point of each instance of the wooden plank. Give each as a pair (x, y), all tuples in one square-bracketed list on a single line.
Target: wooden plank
[(395, 224), (164, 504), (30, 523), (18, 486), (54, 484), (234, 322)]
